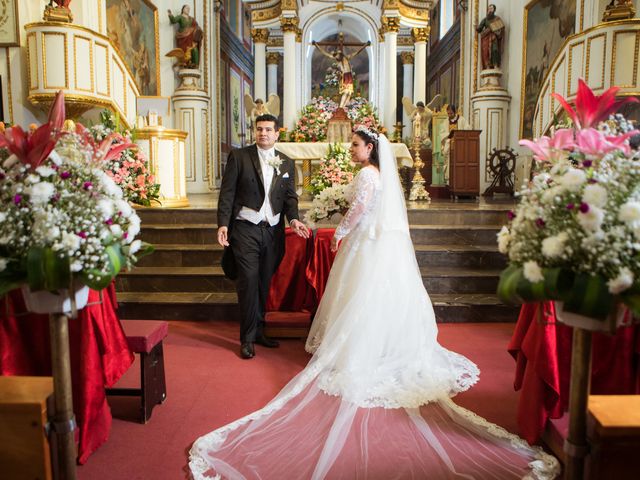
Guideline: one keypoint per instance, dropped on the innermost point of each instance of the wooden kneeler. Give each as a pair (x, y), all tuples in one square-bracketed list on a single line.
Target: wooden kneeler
[(145, 338)]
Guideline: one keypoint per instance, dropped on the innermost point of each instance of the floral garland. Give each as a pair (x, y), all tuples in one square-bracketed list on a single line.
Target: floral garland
[(575, 235), (130, 170)]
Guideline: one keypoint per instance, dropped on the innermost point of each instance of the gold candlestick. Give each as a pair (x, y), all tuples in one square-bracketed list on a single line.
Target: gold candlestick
[(418, 192)]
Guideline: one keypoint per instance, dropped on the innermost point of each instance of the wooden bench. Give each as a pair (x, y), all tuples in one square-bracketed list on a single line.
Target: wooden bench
[(287, 324), (613, 425), (24, 446), (145, 338)]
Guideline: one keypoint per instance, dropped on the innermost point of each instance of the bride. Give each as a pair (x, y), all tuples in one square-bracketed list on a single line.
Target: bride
[(374, 400)]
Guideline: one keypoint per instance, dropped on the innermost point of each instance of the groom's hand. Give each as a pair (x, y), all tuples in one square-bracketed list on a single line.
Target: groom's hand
[(300, 228), (222, 236)]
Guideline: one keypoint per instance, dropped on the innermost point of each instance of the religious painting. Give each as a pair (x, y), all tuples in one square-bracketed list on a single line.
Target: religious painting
[(9, 33), (246, 24), (325, 73), (547, 24), (224, 97), (132, 27), (235, 95)]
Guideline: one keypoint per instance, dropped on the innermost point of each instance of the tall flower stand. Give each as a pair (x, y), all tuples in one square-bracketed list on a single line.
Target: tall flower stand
[(64, 422), (576, 445)]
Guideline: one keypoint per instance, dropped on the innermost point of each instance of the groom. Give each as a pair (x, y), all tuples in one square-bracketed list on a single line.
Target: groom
[(257, 192)]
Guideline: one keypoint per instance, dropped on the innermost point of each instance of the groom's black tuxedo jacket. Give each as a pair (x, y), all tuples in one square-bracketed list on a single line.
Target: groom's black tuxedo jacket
[(243, 186)]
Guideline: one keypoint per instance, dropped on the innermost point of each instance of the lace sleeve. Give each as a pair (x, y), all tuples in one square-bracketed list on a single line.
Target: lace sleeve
[(364, 187)]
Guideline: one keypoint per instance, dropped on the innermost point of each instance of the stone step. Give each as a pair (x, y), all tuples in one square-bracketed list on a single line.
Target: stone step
[(223, 306), (197, 255), (421, 234), (430, 214), (437, 280)]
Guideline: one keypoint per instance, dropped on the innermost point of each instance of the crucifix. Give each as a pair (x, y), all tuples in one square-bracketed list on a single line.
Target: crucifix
[(342, 59)]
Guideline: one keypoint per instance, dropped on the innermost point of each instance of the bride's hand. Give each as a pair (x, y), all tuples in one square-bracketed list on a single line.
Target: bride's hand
[(334, 244)]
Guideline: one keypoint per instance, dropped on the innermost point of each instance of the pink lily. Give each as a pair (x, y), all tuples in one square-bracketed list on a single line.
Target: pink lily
[(594, 143), (106, 150), (33, 148), (592, 109), (546, 148)]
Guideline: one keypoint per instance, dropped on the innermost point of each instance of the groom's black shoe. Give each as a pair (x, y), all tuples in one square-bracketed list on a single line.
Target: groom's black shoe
[(247, 351), (267, 342)]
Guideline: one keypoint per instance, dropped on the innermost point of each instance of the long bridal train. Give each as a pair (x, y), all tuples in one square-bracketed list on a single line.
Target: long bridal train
[(373, 402)]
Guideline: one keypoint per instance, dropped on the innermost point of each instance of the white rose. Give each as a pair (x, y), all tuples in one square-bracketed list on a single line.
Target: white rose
[(3, 264), (55, 158), (503, 240), (76, 266), (573, 178), (592, 220), (622, 282), (135, 246), (105, 206), (70, 242), (45, 171), (630, 212), (116, 230), (32, 178), (124, 207), (553, 247), (533, 272), (41, 192), (3, 216), (595, 195)]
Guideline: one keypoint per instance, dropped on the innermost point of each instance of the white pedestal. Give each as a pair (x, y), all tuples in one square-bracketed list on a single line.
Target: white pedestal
[(490, 107), (191, 110)]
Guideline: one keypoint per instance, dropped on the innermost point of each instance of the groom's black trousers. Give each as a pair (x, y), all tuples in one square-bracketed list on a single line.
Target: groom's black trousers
[(254, 249)]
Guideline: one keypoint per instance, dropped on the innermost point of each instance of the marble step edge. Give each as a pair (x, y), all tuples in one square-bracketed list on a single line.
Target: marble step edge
[(213, 226), (431, 272), (230, 298)]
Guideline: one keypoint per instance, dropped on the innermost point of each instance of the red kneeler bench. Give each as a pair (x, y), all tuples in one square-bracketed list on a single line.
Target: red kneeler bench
[(145, 338), (287, 324)]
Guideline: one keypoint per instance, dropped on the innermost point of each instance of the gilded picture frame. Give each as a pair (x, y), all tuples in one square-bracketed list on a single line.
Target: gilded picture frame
[(547, 25), (9, 24), (132, 28), (235, 107)]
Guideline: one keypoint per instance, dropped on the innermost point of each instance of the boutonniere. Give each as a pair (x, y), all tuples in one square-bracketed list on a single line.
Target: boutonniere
[(275, 162)]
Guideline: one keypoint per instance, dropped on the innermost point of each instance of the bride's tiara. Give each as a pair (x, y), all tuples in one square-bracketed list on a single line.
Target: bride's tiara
[(369, 133)]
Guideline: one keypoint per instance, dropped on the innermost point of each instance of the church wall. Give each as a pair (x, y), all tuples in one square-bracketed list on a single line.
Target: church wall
[(443, 66)]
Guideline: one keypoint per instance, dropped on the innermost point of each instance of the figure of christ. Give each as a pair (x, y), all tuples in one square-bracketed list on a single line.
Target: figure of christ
[(344, 65)]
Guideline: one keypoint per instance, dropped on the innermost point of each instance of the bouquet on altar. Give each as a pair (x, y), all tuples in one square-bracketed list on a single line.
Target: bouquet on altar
[(130, 170), (575, 234), (330, 185), (63, 219)]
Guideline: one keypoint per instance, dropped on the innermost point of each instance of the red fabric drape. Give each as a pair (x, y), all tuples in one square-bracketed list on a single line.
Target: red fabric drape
[(542, 350), (320, 264), (99, 357), (289, 291)]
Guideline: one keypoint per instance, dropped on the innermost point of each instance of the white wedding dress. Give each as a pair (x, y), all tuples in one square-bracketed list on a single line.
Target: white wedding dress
[(374, 400)]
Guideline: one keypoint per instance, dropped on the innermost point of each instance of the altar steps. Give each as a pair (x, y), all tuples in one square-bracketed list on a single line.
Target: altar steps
[(455, 248)]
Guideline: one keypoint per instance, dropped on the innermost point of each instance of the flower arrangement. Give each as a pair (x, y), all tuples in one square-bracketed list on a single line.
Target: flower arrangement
[(130, 170), (575, 234), (62, 219), (330, 202), (336, 168), (312, 124)]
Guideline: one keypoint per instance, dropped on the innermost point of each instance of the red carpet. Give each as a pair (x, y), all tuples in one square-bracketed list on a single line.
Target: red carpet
[(209, 385)]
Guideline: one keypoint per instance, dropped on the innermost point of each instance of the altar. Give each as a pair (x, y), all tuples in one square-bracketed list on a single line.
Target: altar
[(307, 154)]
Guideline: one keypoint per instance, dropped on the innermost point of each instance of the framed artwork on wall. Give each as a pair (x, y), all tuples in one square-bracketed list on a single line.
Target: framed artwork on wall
[(247, 120), (9, 32), (547, 24), (224, 98), (132, 27), (235, 96)]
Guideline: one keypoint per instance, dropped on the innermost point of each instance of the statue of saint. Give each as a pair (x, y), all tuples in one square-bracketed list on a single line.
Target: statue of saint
[(346, 74), (491, 30), (188, 38)]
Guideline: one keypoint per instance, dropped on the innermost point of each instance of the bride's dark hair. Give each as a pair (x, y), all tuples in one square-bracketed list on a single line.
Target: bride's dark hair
[(369, 139)]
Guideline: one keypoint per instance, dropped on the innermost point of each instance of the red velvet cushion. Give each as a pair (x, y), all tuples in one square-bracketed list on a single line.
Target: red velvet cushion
[(143, 335), (288, 319)]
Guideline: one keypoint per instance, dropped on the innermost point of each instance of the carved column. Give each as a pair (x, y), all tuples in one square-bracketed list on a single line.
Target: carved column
[(407, 87), (290, 29), (260, 37), (420, 36), (272, 73), (390, 27)]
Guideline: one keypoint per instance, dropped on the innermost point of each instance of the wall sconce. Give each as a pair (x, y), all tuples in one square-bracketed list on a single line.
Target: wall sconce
[(463, 5)]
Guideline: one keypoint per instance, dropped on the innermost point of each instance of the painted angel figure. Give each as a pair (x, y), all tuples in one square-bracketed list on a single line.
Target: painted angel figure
[(420, 115)]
